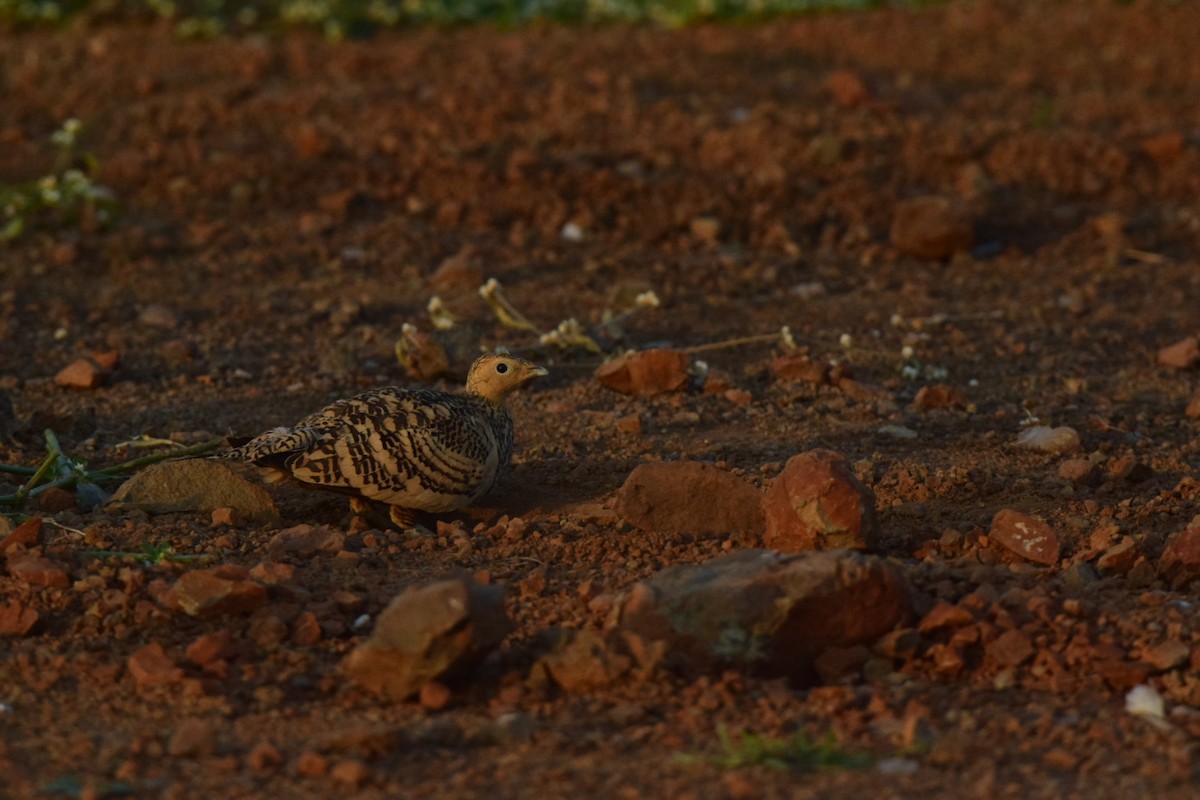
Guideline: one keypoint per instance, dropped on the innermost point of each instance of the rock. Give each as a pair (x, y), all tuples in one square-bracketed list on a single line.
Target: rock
[(226, 517), (1080, 472), (817, 503), (350, 771), (1009, 649), (1183, 354), (944, 616), (582, 662), (27, 534), (1180, 561), (931, 227), (38, 571), (706, 229), (941, 395), (1193, 407), (1167, 655), (209, 647), (55, 500), (1120, 557), (16, 618), (156, 315), (151, 666), (210, 593), (305, 540), (264, 757), (1165, 148), (1049, 440), (194, 484), (799, 367), (428, 632), (771, 613), (847, 88), (1121, 674), (457, 274), (83, 373), (194, 738), (434, 696), (838, 663), (645, 372), (1130, 470), (689, 496), (1028, 537)]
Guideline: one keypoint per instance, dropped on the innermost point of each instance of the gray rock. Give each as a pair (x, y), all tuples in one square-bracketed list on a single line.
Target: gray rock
[(768, 612), (428, 632), (195, 484)]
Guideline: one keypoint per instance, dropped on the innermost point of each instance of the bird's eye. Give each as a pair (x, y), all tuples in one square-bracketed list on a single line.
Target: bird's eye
[(502, 368)]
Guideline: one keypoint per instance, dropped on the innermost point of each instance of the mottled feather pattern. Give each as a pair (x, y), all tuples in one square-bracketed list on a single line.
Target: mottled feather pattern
[(411, 448)]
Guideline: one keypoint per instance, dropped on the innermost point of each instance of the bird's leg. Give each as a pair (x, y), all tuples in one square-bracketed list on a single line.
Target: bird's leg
[(359, 507)]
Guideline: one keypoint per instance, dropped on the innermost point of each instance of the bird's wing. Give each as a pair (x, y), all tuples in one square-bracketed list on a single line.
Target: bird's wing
[(392, 443)]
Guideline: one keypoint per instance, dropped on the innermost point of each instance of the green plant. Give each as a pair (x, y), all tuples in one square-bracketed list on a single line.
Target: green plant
[(60, 470), (67, 197), (792, 754)]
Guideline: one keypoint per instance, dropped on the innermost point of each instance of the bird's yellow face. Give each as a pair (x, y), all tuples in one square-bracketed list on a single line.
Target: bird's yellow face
[(494, 375)]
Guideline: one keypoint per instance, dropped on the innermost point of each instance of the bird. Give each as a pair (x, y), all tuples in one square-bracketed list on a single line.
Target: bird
[(413, 449)]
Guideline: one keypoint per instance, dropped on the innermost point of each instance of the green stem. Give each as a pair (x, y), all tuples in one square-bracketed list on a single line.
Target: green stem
[(144, 461), (52, 456)]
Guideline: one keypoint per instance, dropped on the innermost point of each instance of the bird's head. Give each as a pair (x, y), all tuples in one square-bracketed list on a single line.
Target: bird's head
[(494, 375)]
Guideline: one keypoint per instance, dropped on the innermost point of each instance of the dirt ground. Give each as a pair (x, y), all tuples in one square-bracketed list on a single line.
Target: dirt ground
[(286, 203)]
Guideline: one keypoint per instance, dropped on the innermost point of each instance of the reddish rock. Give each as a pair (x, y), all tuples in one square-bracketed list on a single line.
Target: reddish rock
[(27, 534), (350, 771), (305, 630), (582, 662), (1080, 471), (838, 663), (943, 616), (1180, 562), (689, 496), (817, 503), (209, 647), (1028, 537), (931, 227), (306, 540), (847, 88), (1165, 148), (1167, 655), (264, 757), (151, 666), (1183, 354), (1193, 406), (434, 696), (38, 571), (427, 632), (1120, 557), (769, 612), (424, 357), (83, 373), (312, 765), (272, 573), (55, 500), (193, 738), (457, 274), (1010, 649), (1129, 469), (1122, 675), (646, 372), (226, 516), (209, 593), (799, 367), (941, 395), (193, 484), (16, 618)]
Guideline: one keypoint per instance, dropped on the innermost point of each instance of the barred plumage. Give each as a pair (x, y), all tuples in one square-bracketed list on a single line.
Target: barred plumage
[(413, 449)]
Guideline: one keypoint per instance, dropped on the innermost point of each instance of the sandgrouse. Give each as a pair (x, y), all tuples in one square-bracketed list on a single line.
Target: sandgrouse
[(413, 449)]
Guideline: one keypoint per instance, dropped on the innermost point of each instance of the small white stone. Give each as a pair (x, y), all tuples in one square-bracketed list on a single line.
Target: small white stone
[(1145, 701), (572, 232), (897, 766)]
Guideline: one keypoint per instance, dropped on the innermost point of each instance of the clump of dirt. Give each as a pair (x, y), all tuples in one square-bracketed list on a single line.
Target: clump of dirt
[(289, 203)]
